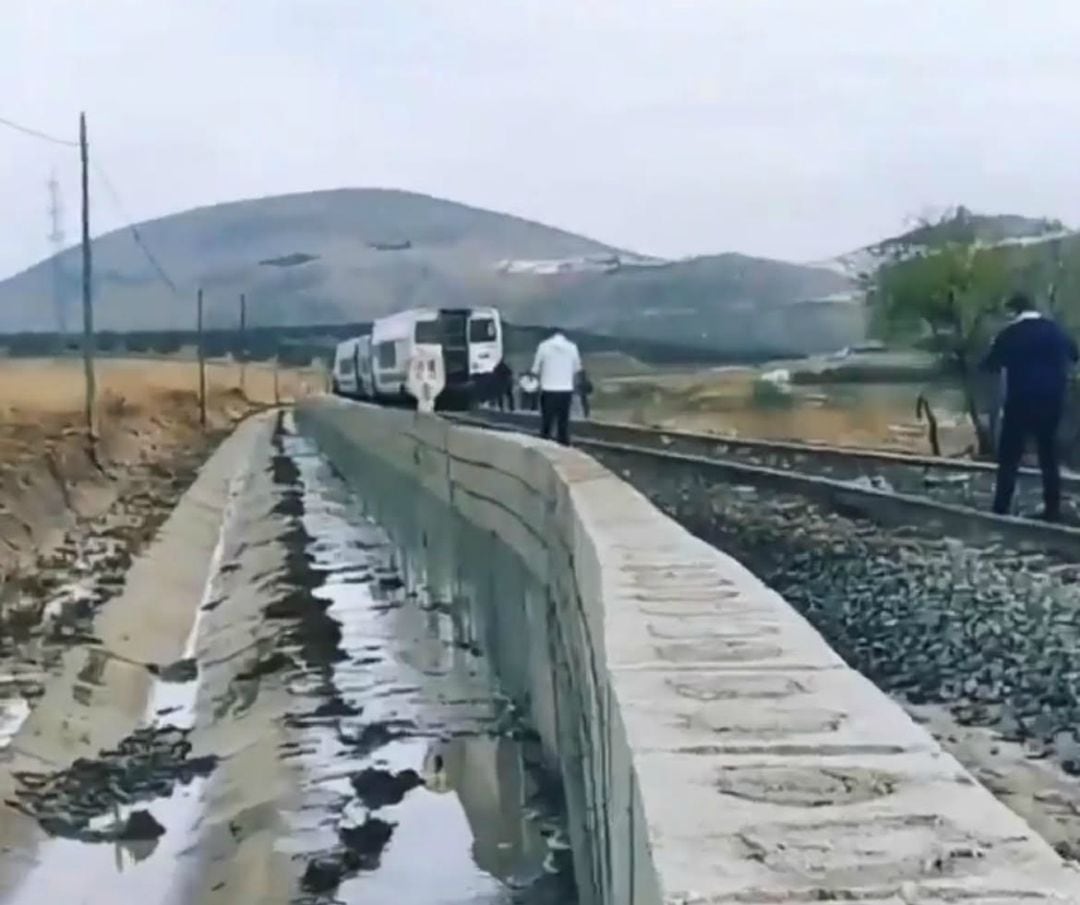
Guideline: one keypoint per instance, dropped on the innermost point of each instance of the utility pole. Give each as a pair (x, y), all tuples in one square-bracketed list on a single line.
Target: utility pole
[(242, 351), (202, 359), (87, 274)]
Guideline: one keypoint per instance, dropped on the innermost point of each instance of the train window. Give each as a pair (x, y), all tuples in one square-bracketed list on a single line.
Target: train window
[(344, 366), (387, 355), (482, 330), (428, 332)]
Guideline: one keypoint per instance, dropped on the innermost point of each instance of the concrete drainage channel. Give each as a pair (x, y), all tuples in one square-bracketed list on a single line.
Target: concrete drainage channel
[(327, 728), (475, 671), (713, 749)]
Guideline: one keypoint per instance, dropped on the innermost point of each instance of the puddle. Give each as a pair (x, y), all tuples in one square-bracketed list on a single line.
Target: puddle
[(13, 713), (413, 778), (53, 607), (117, 825), (440, 787)]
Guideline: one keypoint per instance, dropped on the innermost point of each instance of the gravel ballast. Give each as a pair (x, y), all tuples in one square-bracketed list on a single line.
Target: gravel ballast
[(985, 634)]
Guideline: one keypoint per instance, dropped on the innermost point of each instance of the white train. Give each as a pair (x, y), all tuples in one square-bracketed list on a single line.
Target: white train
[(375, 366)]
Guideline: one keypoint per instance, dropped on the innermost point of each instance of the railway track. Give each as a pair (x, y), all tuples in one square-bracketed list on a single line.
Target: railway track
[(935, 494), (970, 620)]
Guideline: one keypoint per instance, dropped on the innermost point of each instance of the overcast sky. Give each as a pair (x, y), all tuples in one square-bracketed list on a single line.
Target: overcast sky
[(787, 128)]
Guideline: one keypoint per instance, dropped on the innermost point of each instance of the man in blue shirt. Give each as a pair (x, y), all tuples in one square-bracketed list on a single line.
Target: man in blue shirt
[(1036, 355)]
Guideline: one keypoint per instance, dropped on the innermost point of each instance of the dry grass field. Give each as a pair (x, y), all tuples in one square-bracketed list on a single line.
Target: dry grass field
[(733, 403), (149, 439), (33, 387)]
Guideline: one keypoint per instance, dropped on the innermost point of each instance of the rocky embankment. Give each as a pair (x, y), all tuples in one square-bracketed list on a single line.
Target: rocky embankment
[(979, 642)]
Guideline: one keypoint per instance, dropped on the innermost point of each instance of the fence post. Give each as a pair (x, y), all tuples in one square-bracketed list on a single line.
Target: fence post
[(242, 351), (202, 360)]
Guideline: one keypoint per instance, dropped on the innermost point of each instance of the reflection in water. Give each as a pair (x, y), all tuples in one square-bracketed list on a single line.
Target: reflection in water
[(80, 871), (75, 872), (137, 850), (383, 676), (476, 831), (490, 778)]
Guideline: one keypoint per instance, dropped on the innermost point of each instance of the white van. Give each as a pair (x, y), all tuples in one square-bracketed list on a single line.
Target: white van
[(470, 341), (352, 368), (344, 381), (393, 339)]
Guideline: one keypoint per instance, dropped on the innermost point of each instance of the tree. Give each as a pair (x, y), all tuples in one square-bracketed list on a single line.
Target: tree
[(946, 296)]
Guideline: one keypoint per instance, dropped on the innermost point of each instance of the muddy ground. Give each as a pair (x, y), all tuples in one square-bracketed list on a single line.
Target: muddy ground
[(329, 732), (74, 513)]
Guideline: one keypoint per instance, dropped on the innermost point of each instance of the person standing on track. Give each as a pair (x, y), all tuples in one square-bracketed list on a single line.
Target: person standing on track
[(585, 389), (502, 379), (556, 367), (1036, 355)]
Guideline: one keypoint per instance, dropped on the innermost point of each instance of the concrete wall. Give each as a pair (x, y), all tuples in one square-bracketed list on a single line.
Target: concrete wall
[(712, 747)]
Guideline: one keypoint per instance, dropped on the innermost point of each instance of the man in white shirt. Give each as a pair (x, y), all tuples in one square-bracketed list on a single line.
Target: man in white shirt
[(556, 367)]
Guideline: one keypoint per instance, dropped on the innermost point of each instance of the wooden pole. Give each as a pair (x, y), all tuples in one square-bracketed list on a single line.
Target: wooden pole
[(87, 295), (242, 352), (202, 360)]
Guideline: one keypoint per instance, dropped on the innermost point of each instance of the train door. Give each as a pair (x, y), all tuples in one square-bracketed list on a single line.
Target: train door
[(455, 343)]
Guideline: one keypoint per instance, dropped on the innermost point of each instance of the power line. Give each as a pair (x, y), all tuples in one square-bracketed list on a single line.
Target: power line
[(34, 133), (133, 229)]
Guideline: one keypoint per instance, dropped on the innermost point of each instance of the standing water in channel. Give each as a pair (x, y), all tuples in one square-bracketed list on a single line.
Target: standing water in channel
[(445, 801), (334, 734)]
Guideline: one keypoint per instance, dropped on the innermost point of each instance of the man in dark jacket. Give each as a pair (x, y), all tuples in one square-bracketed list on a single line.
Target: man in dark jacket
[(503, 386), (585, 389), (1036, 355)]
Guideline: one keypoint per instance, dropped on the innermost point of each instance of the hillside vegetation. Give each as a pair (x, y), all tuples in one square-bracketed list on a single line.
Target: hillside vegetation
[(720, 301)]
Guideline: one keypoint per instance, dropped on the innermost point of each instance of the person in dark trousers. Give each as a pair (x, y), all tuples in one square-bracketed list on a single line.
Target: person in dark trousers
[(585, 389), (503, 388), (556, 367), (1036, 355)]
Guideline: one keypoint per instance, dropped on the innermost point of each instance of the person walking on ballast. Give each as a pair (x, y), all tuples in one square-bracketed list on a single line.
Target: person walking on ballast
[(1036, 355), (556, 367)]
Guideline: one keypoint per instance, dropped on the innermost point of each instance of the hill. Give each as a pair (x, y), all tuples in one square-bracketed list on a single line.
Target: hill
[(959, 225), (730, 302), (348, 255), (320, 257)]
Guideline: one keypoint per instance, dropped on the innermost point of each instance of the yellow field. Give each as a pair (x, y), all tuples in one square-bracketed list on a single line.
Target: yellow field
[(147, 429), (724, 403), (56, 387)]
